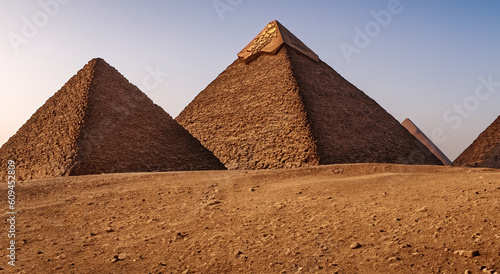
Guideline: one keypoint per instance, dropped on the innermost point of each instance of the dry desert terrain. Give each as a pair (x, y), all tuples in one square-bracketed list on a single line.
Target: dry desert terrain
[(362, 218)]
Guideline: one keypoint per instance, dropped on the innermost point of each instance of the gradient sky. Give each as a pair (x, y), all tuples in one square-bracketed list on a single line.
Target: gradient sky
[(428, 62)]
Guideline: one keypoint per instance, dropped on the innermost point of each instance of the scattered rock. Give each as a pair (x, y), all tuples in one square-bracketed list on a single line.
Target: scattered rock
[(214, 202), (422, 209), (62, 256), (280, 205), (337, 171), (119, 257), (394, 259), (355, 245), (467, 253), (490, 271), (180, 235)]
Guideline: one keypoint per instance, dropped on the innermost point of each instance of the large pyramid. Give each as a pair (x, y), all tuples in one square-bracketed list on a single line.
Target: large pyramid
[(484, 151), (98, 122), (278, 105), (420, 135)]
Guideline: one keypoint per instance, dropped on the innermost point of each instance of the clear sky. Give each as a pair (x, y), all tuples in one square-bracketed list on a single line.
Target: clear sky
[(436, 62)]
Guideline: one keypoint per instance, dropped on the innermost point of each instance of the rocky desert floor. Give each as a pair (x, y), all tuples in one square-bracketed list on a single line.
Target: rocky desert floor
[(362, 218)]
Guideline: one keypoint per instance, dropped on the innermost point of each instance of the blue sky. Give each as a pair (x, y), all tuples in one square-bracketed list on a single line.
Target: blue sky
[(436, 63)]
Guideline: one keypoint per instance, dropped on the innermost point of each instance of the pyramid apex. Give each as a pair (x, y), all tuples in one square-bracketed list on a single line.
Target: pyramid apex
[(98, 60), (270, 40)]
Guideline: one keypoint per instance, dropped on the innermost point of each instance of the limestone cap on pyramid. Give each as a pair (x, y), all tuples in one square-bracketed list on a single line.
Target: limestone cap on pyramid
[(270, 40)]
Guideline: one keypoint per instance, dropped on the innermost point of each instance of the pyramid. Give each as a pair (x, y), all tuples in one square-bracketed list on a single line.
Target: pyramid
[(98, 122), (484, 151), (279, 106), (415, 131)]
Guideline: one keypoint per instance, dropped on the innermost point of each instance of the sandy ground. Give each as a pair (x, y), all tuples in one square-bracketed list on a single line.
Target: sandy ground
[(364, 218)]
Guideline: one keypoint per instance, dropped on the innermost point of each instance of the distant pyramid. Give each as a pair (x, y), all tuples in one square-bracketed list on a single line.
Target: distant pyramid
[(484, 151), (415, 131), (278, 105), (98, 122)]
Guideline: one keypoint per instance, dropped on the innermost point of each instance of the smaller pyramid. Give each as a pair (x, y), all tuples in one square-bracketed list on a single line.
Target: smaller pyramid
[(415, 131), (98, 122), (484, 151)]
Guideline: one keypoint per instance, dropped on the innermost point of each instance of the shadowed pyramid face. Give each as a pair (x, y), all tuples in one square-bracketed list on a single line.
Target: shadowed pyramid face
[(484, 151), (100, 123), (279, 106)]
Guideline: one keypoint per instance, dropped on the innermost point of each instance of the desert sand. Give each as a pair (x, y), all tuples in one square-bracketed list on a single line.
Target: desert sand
[(353, 218)]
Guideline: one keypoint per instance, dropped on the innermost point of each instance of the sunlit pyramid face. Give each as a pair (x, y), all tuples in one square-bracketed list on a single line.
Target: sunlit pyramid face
[(263, 39)]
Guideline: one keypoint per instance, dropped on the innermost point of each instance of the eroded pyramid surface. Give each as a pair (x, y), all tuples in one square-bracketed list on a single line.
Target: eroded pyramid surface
[(98, 122), (279, 106), (484, 151)]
